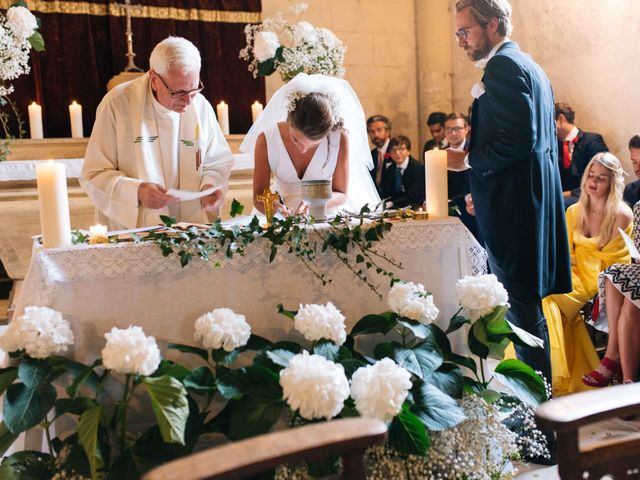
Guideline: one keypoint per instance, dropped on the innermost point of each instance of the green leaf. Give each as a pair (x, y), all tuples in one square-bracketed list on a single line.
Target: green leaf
[(429, 359), (26, 407), (327, 349), (236, 208), (125, 467), (420, 330), (407, 359), (27, 465), (257, 342), (88, 437), (266, 68), (36, 41), (74, 406), (169, 403), (522, 337), (490, 396), (448, 379), (280, 357), (168, 221), (351, 365), (200, 381), (383, 350), (34, 372), (407, 434), (173, 369), (254, 379), (382, 323), (287, 313), (456, 322), (477, 333), (222, 357), (254, 415), (84, 374), (7, 377), (359, 258), (6, 438), (201, 352), (522, 380), (495, 344), (437, 410)]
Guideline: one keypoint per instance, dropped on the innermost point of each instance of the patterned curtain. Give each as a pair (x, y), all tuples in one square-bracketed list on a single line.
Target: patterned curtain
[(86, 46)]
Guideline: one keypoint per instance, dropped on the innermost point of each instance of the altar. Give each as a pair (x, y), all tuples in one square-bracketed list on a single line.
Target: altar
[(97, 287)]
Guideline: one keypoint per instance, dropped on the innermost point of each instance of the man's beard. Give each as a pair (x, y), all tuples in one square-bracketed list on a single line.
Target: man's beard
[(379, 142), (482, 50)]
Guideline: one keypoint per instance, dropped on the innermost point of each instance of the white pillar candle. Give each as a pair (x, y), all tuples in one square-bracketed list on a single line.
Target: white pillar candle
[(75, 113), (54, 205), (435, 171), (256, 110), (35, 121), (222, 109)]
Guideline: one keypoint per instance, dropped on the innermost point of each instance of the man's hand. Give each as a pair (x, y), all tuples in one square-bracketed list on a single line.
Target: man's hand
[(213, 201), (154, 196), (455, 160), (469, 207)]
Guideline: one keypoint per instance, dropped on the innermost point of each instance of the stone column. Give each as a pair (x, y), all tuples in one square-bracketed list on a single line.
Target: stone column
[(434, 59)]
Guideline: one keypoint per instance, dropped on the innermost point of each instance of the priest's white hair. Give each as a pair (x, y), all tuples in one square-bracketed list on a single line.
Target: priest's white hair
[(175, 53)]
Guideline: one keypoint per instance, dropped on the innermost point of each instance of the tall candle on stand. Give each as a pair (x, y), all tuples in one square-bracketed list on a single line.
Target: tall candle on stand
[(435, 171), (54, 205), (35, 121), (256, 110), (222, 109), (75, 112)]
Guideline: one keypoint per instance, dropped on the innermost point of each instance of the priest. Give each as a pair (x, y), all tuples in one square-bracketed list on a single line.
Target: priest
[(153, 136)]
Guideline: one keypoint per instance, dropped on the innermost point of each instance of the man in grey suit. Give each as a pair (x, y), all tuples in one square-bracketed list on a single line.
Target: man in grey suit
[(514, 175)]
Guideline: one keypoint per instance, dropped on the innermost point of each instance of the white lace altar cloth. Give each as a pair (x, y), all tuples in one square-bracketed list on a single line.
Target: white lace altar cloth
[(98, 287)]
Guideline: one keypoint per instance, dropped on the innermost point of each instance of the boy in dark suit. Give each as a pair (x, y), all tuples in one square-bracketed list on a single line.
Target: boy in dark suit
[(402, 176)]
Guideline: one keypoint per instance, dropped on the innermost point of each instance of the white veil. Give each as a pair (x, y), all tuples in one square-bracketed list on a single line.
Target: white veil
[(361, 189)]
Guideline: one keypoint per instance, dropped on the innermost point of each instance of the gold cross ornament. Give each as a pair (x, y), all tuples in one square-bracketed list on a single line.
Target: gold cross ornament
[(267, 197)]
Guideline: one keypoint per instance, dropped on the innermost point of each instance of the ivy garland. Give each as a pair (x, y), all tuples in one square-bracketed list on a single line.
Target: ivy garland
[(298, 235)]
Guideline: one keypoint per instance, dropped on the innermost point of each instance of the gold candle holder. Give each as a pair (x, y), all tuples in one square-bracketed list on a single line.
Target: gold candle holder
[(420, 214), (98, 234)]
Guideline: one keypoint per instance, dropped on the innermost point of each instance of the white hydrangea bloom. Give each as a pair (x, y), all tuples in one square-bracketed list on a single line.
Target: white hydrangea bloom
[(314, 386), (328, 37), (40, 331), (411, 300), (129, 350), (21, 22), (222, 328), (304, 32), (379, 390), (320, 321), (265, 45), (480, 295)]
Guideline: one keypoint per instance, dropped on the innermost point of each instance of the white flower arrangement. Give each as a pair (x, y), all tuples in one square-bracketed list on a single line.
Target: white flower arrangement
[(40, 332), (18, 33), (314, 386), (129, 350), (222, 328), (379, 390), (276, 45), (480, 295), (316, 322), (411, 300)]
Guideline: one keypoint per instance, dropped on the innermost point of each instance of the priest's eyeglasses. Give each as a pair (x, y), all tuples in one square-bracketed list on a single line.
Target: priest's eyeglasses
[(181, 93), (463, 32)]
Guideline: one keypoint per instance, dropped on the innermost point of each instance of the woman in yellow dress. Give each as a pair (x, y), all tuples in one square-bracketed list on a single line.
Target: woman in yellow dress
[(595, 243)]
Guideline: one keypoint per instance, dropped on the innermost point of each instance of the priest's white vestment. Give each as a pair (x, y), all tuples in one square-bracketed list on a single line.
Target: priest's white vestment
[(135, 139)]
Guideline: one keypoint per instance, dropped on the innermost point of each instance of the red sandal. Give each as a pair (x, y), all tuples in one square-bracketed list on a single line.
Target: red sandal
[(598, 379)]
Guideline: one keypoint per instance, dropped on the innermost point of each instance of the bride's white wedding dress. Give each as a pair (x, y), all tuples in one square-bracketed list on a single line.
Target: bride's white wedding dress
[(321, 167), (360, 189)]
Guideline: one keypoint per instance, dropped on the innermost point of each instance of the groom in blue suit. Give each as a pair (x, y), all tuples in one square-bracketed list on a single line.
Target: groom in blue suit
[(514, 178)]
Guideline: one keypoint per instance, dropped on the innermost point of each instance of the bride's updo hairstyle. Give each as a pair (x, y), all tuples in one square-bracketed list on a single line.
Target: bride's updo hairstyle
[(313, 114)]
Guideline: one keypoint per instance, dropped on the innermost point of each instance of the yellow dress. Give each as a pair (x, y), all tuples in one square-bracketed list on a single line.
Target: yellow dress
[(572, 352)]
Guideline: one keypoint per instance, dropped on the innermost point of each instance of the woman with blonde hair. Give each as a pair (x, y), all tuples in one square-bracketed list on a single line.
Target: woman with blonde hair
[(594, 243)]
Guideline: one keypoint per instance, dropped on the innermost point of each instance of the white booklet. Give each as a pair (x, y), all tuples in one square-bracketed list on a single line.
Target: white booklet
[(630, 245), (185, 196)]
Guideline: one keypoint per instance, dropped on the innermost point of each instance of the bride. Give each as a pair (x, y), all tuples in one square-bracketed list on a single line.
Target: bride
[(313, 128)]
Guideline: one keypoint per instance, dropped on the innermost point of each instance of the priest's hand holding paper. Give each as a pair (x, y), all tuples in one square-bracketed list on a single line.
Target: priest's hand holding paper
[(455, 160), (154, 196), (213, 201)]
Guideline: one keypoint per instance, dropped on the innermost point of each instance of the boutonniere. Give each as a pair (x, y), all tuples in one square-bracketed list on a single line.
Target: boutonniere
[(477, 90), (387, 156)]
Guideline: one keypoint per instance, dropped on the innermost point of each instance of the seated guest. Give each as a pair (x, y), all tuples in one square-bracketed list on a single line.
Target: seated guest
[(403, 177), (155, 133), (435, 122), (620, 307), (575, 149), (456, 128), (632, 191), (379, 130), (595, 243)]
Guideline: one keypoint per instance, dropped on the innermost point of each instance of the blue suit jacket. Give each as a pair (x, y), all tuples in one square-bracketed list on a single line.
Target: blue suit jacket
[(514, 178)]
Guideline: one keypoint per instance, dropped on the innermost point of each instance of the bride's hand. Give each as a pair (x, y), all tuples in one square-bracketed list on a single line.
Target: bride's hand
[(303, 209), (285, 211)]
